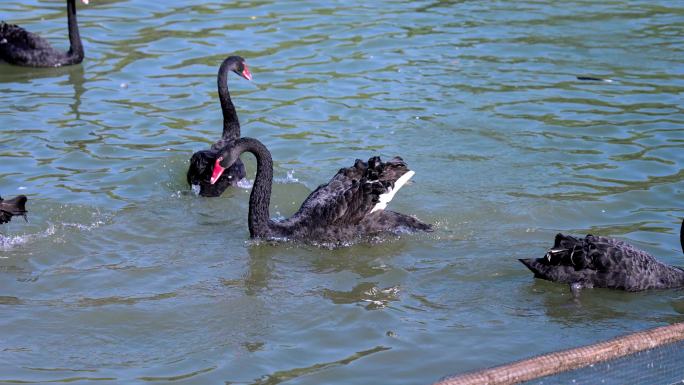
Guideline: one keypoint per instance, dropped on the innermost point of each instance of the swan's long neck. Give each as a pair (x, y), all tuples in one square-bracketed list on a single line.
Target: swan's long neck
[(260, 198), (76, 51), (231, 124)]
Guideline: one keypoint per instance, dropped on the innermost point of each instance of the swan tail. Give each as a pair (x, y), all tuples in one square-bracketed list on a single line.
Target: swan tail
[(11, 207)]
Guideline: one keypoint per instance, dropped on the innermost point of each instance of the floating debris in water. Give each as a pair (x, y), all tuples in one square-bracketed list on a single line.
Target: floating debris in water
[(593, 79)]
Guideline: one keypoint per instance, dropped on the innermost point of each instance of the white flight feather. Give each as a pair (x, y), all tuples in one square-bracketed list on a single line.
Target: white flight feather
[(387, 197)]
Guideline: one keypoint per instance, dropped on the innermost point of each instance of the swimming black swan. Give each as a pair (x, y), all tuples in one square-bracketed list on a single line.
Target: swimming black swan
[(12, 207), (351, 205), (604, 262), (23, 48), (202, 162)]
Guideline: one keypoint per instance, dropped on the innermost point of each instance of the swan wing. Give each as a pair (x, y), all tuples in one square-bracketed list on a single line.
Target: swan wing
[(354, 192), (20, 39)]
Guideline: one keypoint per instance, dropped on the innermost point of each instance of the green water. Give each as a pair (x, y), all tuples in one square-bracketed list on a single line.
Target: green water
[(123, 276)]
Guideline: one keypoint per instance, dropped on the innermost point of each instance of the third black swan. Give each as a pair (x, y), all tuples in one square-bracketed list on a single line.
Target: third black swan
[(595, 261), (23, 48), (202, 162), (351, 205), (12, 207)]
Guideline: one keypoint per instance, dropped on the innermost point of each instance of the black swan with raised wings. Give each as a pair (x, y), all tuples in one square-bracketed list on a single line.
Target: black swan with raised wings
[(23, 48), (351, 205), (201, 163), (595, 261)]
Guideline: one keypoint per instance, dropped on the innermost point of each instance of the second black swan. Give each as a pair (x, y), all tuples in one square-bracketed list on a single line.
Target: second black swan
[(12, 207), (595, 261), (21, 47), (351, 205), (202, 162)]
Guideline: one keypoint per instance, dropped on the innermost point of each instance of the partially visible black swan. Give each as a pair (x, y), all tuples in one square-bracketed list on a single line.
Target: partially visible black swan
[(23, 48), (351, 205), (595, 261), (202, 162), (12, 207)]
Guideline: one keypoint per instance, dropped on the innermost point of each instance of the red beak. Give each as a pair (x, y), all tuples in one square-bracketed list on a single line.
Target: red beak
[(218, 171), (246, 73)]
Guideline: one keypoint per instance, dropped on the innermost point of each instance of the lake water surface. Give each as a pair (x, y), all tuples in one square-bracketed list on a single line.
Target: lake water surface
[(124, 276)]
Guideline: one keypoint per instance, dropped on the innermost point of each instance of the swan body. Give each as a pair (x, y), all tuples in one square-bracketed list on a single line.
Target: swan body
[(12, 207), (201, 162), (595, 261), (23, 48), (347, 207)]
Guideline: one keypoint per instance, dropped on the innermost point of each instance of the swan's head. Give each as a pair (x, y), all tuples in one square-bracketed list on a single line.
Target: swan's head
[(225, 160), (239, 66)]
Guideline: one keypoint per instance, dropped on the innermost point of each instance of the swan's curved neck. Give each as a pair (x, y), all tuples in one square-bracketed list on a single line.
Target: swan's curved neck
[(76, 51), (231, 124), (260, 225)]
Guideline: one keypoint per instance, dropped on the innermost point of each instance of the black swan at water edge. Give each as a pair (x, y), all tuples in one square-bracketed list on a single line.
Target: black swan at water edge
[(12, 207), (201, 163), (351, 205), (23, 48), (596, 261)]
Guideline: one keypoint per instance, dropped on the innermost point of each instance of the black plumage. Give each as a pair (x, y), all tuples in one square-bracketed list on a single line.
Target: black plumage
[(339, 211), (202, 162), (12, 207), (23, 48), (595, 261)]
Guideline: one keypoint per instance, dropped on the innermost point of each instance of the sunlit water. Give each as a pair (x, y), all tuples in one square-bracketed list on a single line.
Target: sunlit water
[(123, 275)]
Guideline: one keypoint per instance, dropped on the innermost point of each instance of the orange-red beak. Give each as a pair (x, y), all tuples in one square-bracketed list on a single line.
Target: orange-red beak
[(217, 172), (246, 73)]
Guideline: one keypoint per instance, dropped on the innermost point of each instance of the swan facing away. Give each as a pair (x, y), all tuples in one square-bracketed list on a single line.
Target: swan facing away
[(595, 261), (23, 48), (350, 206), (201, 163), (12, 207)]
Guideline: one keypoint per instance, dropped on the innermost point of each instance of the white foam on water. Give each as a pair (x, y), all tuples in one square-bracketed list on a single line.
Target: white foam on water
[(196, 189), (245, 183)]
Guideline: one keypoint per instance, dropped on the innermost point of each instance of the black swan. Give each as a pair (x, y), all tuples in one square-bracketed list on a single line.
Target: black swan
[(604, 262), (351, 205), (12, 207), (201, 163), (23, 48)]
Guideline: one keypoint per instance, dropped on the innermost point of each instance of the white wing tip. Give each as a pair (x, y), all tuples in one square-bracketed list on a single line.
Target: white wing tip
[(387, 197)]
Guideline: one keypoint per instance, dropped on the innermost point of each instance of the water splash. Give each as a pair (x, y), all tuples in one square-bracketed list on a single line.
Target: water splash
[(245, 183), (289, 178), (8, 242)]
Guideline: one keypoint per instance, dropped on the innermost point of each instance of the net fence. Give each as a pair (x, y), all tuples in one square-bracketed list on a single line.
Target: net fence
[(654, 356)]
